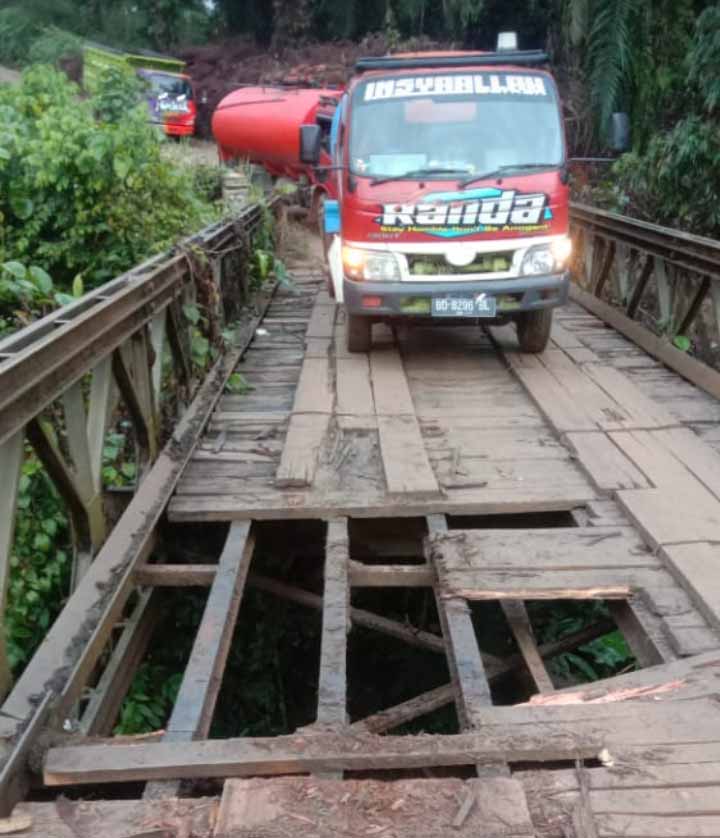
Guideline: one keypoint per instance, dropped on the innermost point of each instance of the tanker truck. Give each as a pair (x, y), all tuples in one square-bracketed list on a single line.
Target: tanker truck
[(259, 125), (449, 195)]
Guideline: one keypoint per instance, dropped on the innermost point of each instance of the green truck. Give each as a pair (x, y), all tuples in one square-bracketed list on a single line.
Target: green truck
[(169, 91)]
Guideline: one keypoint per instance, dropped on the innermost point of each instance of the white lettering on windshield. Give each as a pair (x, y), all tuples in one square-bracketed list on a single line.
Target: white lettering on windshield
[(485, 83)]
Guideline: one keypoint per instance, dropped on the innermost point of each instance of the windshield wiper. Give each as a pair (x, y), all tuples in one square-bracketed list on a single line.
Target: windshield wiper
[(501, 170), (417, 173)]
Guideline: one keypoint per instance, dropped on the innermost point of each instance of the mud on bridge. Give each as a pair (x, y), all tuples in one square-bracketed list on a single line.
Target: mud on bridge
[(442, 460)]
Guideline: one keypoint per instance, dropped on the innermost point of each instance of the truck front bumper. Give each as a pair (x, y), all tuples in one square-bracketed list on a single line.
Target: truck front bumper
[(412, 299)]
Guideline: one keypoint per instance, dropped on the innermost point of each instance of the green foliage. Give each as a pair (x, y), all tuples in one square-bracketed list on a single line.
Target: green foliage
[(238, 385), (52, 45), (611, 54), (39, 565), (149, 700), (676, 181), (80, 194), (704, 57), (118, 464), (601, 658)]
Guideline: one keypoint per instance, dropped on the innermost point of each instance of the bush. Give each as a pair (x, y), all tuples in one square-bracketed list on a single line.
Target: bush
[(40, 564), (84, 188), (53, 45), (17, 32), (677, 180)]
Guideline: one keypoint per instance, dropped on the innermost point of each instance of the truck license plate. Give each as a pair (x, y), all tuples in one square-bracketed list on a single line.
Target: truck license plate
[(466, 305)]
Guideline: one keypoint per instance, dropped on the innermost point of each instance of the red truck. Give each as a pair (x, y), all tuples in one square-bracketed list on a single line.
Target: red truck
[(450, 185)]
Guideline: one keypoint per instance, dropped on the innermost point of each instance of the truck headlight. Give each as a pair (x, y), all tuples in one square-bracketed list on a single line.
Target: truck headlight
[(546, 258), (371, 265)]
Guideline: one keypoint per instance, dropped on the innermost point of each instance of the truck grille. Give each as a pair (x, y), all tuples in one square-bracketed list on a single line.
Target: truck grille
[(434, 264)]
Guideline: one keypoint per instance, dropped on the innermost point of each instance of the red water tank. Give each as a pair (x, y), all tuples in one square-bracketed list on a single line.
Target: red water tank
[(262, 125)]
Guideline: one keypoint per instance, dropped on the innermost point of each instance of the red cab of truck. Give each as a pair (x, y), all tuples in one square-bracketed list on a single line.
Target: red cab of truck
[(452, 196), (171, 101)]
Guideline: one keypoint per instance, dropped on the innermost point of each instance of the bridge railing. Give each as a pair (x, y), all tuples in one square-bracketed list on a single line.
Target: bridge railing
[(659, 286), (122, 353)]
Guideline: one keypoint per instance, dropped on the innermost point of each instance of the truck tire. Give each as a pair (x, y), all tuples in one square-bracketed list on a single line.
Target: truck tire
[(359, 333), (533, 329)]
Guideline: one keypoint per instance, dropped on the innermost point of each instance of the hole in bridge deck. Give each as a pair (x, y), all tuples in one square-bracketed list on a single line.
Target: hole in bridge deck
[(387, 540), (513, 521), (579, 642)]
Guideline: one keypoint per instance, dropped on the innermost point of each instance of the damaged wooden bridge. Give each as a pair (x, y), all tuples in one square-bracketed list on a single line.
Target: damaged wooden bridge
[(442, 460)]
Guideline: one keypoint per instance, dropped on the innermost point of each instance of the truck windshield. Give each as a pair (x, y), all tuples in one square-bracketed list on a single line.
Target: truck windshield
[(466, 123), (166, 86)]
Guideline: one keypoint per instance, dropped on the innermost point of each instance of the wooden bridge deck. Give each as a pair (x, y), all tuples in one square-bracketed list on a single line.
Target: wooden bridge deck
[(448, 426)]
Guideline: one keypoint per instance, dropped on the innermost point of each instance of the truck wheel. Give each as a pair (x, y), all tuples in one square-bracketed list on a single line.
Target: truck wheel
[(533, 329), (359, 333)]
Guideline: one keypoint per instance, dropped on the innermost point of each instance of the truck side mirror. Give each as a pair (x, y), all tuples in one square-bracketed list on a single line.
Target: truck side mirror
[(310, 140), (620, 133)]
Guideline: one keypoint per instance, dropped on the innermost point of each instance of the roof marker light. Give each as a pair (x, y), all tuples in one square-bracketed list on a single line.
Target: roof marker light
[(507, 41)]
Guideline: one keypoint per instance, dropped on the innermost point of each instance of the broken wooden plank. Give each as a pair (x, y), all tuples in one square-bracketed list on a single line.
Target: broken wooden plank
[(195, 703)]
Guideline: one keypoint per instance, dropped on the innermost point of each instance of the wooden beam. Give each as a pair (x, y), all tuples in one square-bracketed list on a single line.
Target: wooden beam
[(176, 575), (332, 683), (133, 403), (408, 711), (109, 693), (509, 734), (195, 703), (11, 457), (391, 576), (517, 616), (463, 654), (41, 437), (639, 287), (359, 617)]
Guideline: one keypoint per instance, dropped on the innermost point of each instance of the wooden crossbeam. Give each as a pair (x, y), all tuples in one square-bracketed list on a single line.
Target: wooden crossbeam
[(332, 684), (519, 622), (391, 576), (110, 691), (463, 654), (414, 637), (509, 734), (407, 711), (195, 703)]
